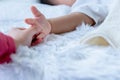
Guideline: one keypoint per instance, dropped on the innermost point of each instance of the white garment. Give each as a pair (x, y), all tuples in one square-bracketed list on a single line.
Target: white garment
[(108, 33), (96, 9)]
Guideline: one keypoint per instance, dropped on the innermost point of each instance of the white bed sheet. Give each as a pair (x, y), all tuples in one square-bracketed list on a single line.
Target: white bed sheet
[(59, 57)]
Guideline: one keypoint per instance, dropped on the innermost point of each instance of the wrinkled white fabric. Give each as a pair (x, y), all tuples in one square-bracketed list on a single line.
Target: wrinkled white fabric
[(96, 9), (109, 32)]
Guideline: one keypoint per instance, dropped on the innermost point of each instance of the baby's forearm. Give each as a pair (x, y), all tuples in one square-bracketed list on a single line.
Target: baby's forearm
[(69, 22)]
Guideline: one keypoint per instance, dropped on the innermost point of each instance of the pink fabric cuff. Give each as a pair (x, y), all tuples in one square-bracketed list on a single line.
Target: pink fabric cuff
[(7, 47)]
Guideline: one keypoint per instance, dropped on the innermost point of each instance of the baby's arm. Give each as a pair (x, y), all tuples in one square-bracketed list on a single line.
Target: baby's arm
[(91, 14), (69, 22), (60, 24)]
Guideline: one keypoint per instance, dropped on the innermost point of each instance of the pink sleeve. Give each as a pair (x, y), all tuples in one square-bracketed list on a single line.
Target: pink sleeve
[(7, 47)]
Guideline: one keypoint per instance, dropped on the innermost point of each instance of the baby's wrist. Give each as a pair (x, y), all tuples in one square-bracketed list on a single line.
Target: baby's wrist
[(50, 25)]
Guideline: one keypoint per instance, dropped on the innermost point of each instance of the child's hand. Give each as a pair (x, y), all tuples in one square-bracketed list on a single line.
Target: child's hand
[(39, 21), (24, 36)]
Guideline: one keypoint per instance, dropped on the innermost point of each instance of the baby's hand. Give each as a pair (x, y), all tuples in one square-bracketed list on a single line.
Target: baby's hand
[(39, 21)]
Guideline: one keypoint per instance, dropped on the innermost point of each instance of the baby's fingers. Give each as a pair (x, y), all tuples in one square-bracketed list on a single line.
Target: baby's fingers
[(41, 35), (34, 22), (36, 12), (30, 21), (36, 41)]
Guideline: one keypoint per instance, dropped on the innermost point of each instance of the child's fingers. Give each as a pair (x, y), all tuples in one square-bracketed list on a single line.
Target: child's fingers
[(34, 30), (30, 21), (33, 22), (36, 42), (35, 11), (42, 35), (38, 39)]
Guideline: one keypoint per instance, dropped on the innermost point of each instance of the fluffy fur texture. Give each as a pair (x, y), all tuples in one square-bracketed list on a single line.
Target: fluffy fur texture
[(59, 57)]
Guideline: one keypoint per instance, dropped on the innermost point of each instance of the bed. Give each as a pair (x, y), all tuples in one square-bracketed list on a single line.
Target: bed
[(59, 57)]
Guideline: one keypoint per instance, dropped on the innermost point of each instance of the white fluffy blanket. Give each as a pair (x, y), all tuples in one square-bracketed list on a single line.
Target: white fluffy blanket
[(59, 57)]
